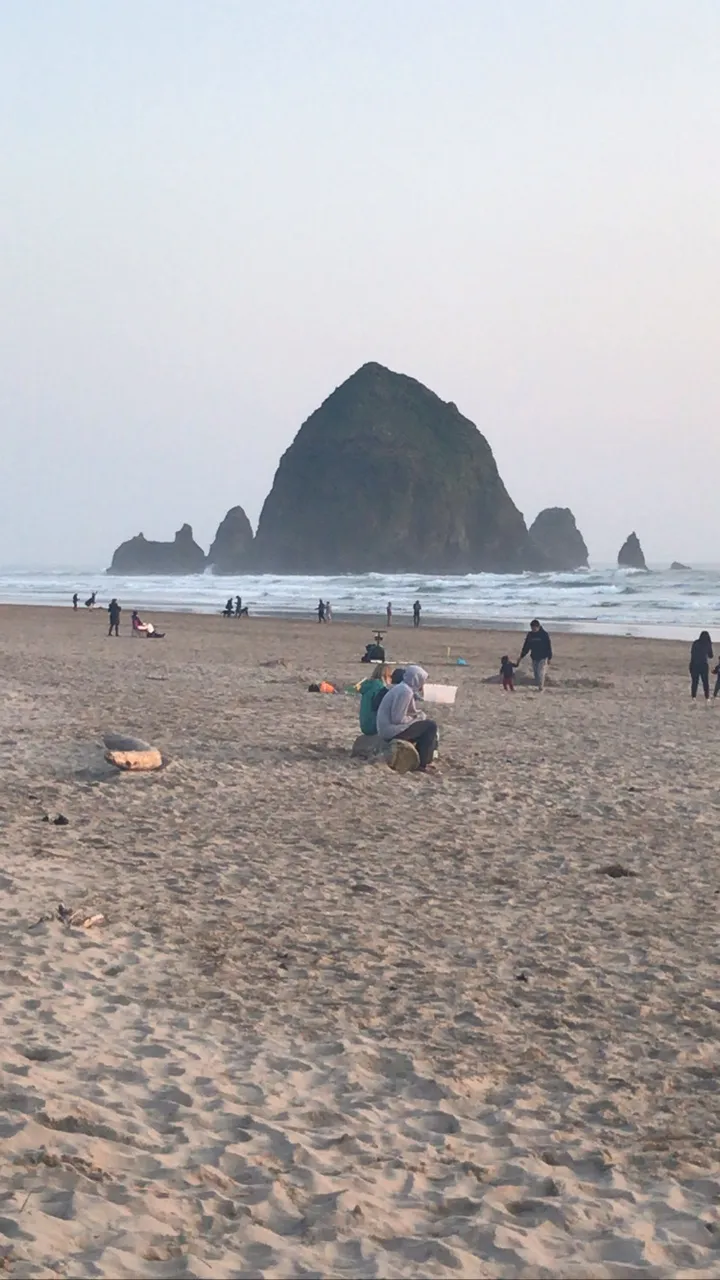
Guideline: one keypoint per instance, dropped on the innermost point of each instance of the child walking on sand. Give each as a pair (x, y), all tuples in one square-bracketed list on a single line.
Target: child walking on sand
[(507, 671)]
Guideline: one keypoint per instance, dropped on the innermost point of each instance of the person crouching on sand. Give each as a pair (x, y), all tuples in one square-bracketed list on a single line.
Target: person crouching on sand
[(507, 671), (398, 716), (700, 655)]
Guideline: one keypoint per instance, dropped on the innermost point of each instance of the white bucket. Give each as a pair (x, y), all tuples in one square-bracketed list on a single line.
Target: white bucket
[(440, 693)]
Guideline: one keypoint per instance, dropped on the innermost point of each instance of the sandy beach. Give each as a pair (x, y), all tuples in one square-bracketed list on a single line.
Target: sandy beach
[(339, 1022)]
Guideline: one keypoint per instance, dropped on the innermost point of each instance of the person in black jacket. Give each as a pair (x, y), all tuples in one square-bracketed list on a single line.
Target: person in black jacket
[(537, 644), (700, 654), (114, 611)]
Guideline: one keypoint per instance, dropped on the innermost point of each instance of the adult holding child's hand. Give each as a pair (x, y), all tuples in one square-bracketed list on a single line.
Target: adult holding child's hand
[(538, 645)]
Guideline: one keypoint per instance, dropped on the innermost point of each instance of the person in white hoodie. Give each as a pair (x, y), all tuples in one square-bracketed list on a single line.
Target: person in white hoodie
[(398, 716)]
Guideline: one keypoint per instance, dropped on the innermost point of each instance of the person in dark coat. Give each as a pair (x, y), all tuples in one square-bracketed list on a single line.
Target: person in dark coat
[(114, 611), (75, 600), (321, 611), (701, 652), (538, 645)]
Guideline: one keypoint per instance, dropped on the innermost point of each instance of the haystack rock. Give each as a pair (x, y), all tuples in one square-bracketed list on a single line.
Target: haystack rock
[(138, 555), (678, 565), (630, 555), (557, 536), (232, 547), (386, 476)]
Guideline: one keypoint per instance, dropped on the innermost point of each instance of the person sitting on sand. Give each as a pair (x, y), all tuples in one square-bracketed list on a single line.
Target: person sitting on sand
[(137, 623), (507, 671), (377, 683), (398, 716), (700, 654)]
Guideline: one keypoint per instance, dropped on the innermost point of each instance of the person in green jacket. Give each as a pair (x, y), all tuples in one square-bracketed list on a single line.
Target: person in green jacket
[(369, 689)]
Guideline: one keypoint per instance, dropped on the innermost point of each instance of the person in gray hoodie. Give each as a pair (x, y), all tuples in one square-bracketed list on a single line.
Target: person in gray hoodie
[(399, 716)]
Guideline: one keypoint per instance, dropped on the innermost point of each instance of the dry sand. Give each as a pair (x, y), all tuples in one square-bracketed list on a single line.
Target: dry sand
[(339, 1022)]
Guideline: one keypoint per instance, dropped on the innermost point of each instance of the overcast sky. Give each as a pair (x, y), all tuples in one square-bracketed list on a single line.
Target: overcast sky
[(212, 212)]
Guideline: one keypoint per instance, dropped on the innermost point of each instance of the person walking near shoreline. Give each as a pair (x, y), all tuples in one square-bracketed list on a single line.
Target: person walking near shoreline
[(700, 654), (416, 613), (538, 645), (388, 614)]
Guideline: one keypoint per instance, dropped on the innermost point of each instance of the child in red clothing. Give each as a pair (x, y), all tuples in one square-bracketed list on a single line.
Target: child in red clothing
[(507, 669)]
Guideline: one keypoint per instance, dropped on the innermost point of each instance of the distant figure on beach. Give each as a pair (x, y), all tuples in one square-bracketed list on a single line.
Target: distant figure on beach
[(114, 611), (328, 611), (75, 600), (416, 613), (716, 673), (90, 603), (370, 697), (238, 607), (538, 645), (321, 611), (398, 716), (388, 613), (228, 610), (507, 671), (700, 654)]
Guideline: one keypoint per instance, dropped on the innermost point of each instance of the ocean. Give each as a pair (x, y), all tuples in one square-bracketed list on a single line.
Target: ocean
[(602, 599)]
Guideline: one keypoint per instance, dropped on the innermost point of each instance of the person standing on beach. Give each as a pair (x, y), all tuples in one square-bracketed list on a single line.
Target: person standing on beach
[(328, 611), (538, 645), (321, 611), (416, 613), (700, 654), (238, 606), (75, 600), (114, 611), (388, 613)]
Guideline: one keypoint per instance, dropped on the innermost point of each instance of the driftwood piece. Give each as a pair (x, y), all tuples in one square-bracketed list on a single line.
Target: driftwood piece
[(135, 761)]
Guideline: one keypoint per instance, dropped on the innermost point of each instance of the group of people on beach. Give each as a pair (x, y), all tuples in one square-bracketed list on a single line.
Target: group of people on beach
[(416, 610), (388, 708)]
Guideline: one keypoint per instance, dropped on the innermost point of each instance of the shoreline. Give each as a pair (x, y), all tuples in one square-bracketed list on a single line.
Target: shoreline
[(430, 622)]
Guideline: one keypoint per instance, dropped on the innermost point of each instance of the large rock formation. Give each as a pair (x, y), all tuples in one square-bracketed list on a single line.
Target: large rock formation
[(678, 565), (557, 536), (138, 556), (386, 476), (630, 555), (233, 544)]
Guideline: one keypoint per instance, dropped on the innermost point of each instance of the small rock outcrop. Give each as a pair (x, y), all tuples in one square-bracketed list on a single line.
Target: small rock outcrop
[(558, 538), (233, 543), (386, 476), (139, 556), (678, 566), (630, 555)]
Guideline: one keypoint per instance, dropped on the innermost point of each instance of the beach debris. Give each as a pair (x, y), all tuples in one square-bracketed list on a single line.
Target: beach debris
[(521, 976), (61, 821), (135, 761), (403, 757), (616, 871), (76, 919), (132, 755)]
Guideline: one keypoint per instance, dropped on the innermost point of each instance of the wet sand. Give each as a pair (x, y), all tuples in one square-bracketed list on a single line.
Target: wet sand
[(339, 1022)]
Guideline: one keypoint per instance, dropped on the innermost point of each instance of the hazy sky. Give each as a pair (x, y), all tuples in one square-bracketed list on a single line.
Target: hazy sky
[(212, 212)]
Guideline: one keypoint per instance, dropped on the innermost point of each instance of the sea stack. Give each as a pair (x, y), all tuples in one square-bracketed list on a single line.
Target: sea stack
[(630, 555), (141, 557), (386, 476), (232, 547), (558, 538)]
